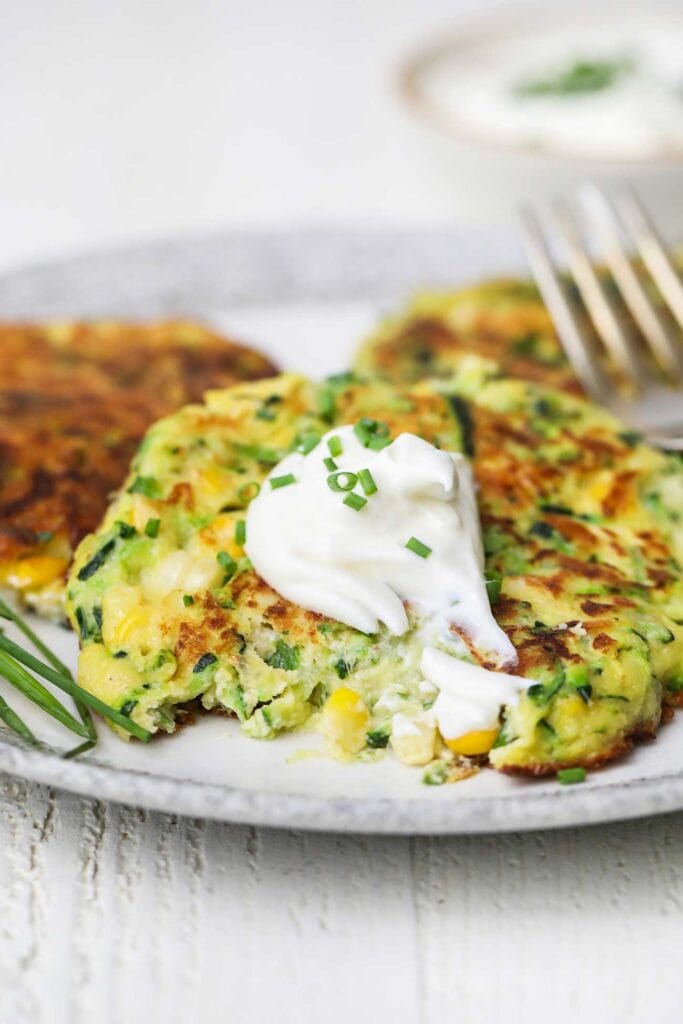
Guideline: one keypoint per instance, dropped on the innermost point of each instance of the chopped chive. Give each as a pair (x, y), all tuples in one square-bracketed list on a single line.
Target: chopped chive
[(340, 482), (367, 482), (227, 563), (355, 501), (67, 684), (330, 465), (188, 600), (152, 527), (126, 531), (570, 776), (264, 413), (372, 433), (240, 531), (248, 492), (44, 536), (282, 481), (306, 442), (418, 548), (204, 662), (327, 404), (335, 445), (146, 485)]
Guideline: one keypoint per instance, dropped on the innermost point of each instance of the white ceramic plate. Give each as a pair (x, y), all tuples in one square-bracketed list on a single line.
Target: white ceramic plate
[(305, 299)]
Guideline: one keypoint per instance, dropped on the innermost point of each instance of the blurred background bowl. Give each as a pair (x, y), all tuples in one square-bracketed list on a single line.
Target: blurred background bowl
[(490, 177)]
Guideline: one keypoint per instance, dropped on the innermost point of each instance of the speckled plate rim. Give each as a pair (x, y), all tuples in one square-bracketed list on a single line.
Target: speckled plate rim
[(526, 812), (199, 274)]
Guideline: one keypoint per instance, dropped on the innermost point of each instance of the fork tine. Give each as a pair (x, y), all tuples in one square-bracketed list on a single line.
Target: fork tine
[(602, 311), (668, 354), (574, 340), (653, 252)]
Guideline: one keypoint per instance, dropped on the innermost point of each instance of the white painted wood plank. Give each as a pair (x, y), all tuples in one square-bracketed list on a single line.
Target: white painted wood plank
[(116, 914)]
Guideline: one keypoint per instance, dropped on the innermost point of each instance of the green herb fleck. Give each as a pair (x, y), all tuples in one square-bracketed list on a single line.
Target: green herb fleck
[(282, 481), (204, 662), (145, 485), (418, 548), (152, 527), (284, 656), (570, 776)]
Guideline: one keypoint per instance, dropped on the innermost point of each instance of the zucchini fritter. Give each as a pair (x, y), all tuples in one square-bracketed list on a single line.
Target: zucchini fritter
[(502, 320), (75, 400), (581, 520)]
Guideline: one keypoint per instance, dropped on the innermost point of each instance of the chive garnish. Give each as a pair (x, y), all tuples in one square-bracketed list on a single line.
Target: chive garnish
[(372, 434), (418, 548), (342, 482), (248, 492), (82, 748), (6, 612), (306, 442), (330, 465), (326, 404), (367, 482), (67, 685), (240, 531), (570, 776), (16, 724), (335, 445), (126, 531), (146, 485), (282, 481), (152, 527), (188, 600), (355, 501), (227, 563)]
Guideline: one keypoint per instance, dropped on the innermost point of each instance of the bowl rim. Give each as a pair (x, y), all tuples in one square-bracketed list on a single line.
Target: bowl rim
[(492, 26)]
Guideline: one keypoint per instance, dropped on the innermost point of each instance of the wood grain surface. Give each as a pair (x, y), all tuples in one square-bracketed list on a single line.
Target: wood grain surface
[(114, 914)]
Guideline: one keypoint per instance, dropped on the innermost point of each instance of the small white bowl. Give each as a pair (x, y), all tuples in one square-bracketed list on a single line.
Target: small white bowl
[(492, 178)]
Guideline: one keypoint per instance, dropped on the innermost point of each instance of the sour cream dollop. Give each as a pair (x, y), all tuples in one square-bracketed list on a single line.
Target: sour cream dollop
[(353, 565), (470, 697)]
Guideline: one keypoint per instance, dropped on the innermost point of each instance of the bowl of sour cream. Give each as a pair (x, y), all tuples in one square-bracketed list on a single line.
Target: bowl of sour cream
[(536, 102)]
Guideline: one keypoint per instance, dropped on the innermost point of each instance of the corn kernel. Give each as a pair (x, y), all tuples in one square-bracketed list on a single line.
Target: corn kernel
[(479, 741), (345, 720), (34, 572)]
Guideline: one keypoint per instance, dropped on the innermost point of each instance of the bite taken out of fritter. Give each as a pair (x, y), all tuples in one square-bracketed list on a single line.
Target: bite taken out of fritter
[(583, 537), (75, 400)]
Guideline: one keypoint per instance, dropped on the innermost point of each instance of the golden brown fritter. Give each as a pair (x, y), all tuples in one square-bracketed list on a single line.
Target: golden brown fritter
[(75, 400)]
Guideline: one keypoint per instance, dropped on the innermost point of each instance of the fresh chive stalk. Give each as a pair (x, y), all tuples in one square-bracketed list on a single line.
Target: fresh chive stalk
[(34, 690), (6, 612), (80, 749), (330, 465), (67, 685), (335, 445), (240, 531), (16, 724)]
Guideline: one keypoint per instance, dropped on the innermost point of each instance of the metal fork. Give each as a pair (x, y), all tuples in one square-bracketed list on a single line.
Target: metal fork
[(631, 365)]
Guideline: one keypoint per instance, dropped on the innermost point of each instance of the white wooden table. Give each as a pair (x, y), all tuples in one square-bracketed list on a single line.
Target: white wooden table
[(115, 914)]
